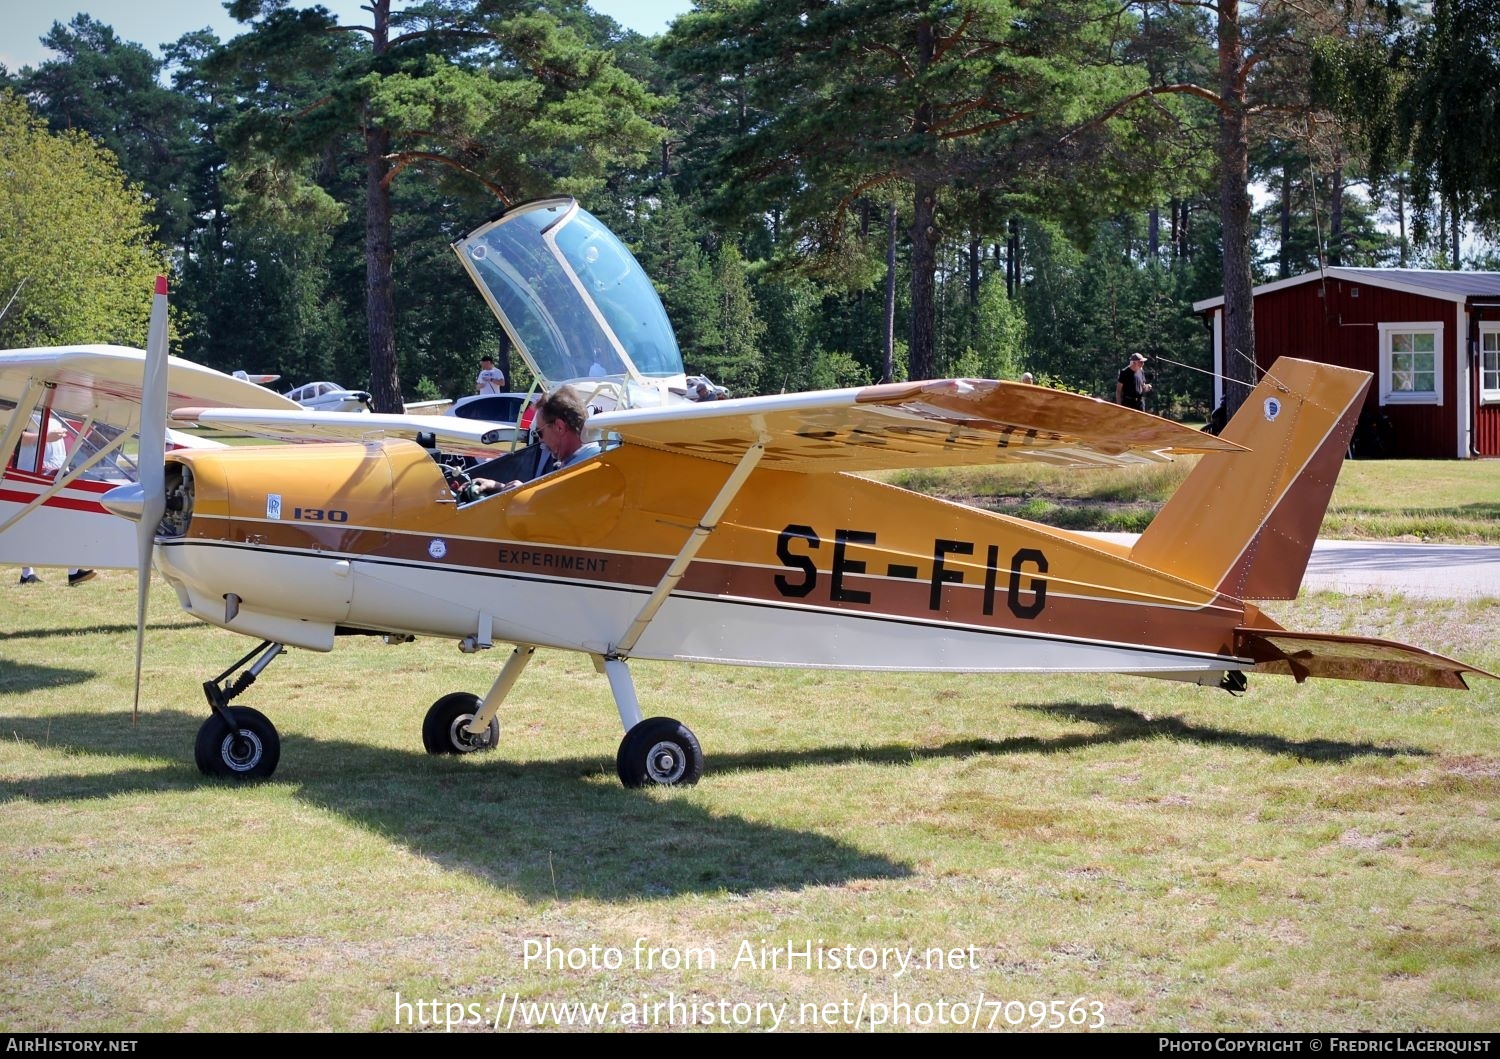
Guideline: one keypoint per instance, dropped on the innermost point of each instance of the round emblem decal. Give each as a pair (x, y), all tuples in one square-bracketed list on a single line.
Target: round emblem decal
[(1273, 409), (437, 549)]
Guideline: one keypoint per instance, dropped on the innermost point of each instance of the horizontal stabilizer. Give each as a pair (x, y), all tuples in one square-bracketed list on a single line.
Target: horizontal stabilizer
[(1312, 654)]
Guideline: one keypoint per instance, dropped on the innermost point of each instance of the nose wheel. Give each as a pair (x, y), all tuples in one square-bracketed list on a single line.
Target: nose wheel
[(237, 742), (246, 747)]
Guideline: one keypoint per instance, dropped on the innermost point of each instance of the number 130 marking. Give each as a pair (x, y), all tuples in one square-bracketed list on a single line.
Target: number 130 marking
[(319, 514)]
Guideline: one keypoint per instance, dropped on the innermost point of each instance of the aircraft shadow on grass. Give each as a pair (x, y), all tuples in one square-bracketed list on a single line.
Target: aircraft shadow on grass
[(1121, 725), (563, 828), (17, 678), (94, 630)]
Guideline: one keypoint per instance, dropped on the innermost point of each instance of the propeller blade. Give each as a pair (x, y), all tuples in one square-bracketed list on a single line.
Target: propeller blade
[(153, 468)]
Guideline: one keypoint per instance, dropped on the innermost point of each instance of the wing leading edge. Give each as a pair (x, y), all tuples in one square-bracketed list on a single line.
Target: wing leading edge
[(943, 423), (302, 424), (105, 381)]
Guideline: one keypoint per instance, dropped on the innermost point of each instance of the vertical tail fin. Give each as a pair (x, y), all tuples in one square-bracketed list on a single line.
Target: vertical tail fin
[(1244, 522)]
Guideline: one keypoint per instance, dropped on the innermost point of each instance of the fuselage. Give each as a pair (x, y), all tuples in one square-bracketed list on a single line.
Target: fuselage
[(817, 570)]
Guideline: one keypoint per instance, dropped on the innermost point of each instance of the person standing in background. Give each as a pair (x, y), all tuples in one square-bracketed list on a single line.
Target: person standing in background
[(1131, 387), (490, 379), (54, 455)]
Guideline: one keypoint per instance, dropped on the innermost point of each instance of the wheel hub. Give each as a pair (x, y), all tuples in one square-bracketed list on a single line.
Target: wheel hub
[(241, 750), (665, 763), (464, 740)]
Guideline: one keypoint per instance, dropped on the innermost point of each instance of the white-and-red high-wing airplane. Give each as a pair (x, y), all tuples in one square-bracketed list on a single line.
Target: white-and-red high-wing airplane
[(735, 532), (91, 395)]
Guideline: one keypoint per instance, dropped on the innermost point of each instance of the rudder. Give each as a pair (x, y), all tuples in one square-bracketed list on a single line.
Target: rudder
[(1245, 522)]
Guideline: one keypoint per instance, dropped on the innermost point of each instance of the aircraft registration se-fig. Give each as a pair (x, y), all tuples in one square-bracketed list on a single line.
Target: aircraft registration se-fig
[(733, 531)]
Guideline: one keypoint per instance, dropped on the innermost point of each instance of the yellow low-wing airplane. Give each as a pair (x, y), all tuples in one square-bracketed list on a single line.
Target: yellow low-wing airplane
[(733, 531)]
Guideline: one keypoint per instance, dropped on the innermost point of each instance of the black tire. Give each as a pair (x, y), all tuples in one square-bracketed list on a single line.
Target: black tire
[(659, 751), (443, 727), (248, 751)]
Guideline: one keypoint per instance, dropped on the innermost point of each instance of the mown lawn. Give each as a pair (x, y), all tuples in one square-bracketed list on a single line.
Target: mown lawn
[(1301, 858)]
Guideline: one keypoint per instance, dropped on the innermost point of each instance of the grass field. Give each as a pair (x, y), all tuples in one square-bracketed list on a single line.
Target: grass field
[(1442, 501), (1170, 858)]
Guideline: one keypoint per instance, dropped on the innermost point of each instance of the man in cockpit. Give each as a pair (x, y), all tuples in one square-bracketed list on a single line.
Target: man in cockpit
[(559, 422)]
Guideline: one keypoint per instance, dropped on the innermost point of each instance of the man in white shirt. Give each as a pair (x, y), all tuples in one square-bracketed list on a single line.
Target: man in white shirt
[(491, 379)]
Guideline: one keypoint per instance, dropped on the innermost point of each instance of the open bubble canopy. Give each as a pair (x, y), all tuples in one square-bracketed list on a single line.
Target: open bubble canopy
[(574, 300)]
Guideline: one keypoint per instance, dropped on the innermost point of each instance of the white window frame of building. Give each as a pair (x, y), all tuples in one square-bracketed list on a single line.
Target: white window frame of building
[(1389, 335), (1489, 363)]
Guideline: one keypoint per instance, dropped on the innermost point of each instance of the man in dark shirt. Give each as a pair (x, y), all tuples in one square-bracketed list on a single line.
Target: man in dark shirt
[(1131, 387)]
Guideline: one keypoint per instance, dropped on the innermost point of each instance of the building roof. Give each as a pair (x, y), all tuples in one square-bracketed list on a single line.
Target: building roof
[(1435, 283)]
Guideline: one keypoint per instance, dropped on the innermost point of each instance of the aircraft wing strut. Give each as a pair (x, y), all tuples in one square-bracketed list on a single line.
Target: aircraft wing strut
[(695, 541)]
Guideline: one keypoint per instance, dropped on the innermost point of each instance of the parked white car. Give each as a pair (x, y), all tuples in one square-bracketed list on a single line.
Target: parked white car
[(507, 409)]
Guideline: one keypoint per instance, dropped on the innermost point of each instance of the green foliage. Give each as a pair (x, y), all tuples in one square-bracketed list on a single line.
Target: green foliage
[(1450, 108), (1426, 88), (75, 245), (823, 104), (261, 298), (735, 361), (834, 368), (1087, 312), (1001, 332), (481, 101), (110, 89), (790, 306)]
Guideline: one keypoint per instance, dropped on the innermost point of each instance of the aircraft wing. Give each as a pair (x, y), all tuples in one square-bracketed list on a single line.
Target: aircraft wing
[(105, 382), (943, 423), (303, 424)]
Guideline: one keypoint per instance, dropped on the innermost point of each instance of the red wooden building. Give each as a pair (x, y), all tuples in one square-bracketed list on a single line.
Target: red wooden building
[(1431, 339)]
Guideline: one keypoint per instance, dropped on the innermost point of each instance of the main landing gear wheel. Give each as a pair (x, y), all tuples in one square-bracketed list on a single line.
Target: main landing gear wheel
[(247, 751), (444, 730), (659, 751)]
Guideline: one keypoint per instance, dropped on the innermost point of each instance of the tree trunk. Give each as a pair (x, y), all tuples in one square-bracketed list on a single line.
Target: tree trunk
[(974, 256), (1234, 211), (380, 285), (1284, 255), (1457, 228), (924, 238), (1012, 258), (888, 372), (502, 358), (1153, 233), (924, 234), (1401, 217), (1336, 216)]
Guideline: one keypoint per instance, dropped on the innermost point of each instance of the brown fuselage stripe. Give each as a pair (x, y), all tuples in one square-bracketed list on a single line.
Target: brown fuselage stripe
[(972, 602)]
